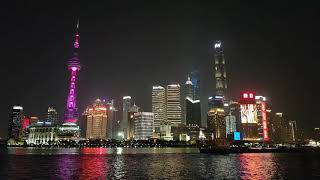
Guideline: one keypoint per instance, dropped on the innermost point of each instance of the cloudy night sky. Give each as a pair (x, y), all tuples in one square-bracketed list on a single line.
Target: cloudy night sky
[(126, 47)]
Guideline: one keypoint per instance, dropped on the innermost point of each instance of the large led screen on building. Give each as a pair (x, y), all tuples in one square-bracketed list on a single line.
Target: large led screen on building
[(248, 113)]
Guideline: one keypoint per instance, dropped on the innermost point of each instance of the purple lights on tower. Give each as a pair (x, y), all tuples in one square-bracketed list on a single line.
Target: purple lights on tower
[(71, 115)]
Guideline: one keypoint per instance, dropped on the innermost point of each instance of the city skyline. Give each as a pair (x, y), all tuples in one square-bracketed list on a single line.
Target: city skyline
[(50, 61)]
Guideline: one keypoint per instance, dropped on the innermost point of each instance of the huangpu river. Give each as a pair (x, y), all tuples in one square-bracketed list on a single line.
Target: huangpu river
[(152, 163)]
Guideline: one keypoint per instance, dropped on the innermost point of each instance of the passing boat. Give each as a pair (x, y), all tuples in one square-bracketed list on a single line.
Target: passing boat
[(218, 146), (214, 150), (222, 146)]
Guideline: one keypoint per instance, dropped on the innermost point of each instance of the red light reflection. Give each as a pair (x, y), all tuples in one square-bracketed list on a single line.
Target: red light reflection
[(94, 151), (94, 166)]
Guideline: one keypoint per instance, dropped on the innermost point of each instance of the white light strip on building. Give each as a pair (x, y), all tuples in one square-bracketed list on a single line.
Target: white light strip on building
[(216, 97), (157, 87), (18, 107), (174, 85), (126, 97), (193, 101), (261, 97)]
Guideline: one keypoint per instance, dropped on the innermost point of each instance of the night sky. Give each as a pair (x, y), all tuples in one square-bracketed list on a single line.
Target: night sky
[(126, 47)]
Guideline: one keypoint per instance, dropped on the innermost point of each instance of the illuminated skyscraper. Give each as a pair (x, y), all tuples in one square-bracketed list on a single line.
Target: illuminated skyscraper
[(126, 103), (159, 106), (111, 122), (254, 122), (134, 109), (143, 125), (270, 124), (292, 131), (284, 130), (52, 116), (249, 120), (188, 89), (187, 93), (113, 117), (261, 107), (193, 114), (174, 104), (233, 121), (15, 123), (216, 125), (96, 120), (220, 70), (125, 109), (215, 101), (281, 128), (71, 114), (230, 124)]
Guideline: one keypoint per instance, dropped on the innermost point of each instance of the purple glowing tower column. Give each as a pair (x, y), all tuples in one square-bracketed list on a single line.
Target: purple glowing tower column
[(71, 115)]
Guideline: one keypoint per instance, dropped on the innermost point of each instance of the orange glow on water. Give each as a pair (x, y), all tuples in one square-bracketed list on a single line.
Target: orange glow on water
[(257, 166)]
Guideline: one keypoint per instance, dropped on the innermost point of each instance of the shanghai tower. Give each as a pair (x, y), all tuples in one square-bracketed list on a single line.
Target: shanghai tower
[(220, 70), (71, 114)]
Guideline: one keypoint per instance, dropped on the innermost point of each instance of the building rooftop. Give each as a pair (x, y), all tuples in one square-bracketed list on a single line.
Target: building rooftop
[(189, 81)]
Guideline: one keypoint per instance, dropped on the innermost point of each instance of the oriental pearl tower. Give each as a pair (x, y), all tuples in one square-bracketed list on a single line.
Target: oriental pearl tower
[(71, 114)]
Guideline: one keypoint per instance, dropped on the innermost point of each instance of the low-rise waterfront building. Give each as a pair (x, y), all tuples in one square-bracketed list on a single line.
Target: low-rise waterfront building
[(42, 135)]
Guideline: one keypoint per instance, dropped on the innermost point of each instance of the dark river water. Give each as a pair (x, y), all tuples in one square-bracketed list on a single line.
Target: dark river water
[(152, 163)]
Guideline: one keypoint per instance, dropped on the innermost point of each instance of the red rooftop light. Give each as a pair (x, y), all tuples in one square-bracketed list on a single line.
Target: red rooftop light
[(248, 95), (245, 95)]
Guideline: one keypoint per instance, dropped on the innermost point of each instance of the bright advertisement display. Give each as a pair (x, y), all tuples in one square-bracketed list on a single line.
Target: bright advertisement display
[(248, 113), (264, 122), (236, 136)]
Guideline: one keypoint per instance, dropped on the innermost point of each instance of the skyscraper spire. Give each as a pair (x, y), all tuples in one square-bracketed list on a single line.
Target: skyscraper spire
[(78, 23), (188, 81)]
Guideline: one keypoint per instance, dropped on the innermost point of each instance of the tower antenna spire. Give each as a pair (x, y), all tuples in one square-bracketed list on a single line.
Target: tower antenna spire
[(78, 24), (76, 40)]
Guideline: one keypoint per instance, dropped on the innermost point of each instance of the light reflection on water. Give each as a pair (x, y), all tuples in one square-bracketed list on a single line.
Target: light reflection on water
[(152, 163), (257, 166), (66, 166), (119, 150), (93, 167)]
